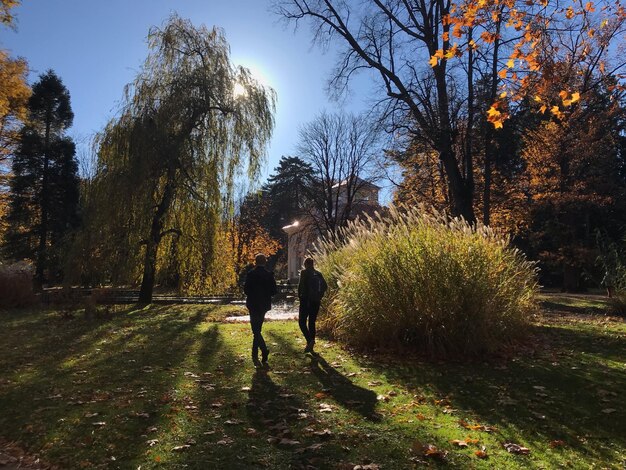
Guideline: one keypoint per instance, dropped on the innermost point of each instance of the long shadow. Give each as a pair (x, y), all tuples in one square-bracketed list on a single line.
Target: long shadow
[(113, 373), (343, 390), (554, 394), (337, 385)]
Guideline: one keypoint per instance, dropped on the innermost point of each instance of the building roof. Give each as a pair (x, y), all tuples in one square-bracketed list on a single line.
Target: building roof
[(360, 183)]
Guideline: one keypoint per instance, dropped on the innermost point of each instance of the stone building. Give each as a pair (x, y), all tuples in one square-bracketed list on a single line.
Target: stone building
[(303, 233)]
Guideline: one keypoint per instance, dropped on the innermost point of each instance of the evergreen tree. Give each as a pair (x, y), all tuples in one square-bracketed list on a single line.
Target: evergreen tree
[(43, 204), (288, 192)]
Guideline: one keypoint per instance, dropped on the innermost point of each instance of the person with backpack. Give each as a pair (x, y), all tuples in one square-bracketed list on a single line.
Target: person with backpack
[(259, 288), (311, 289)]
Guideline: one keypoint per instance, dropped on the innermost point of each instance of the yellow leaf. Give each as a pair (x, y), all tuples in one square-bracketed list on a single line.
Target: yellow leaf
[(510, 64), (497, 124), (493, 112), (569, 13), (503, 94), (433, 61), (538, 98), (591, 33), (575, 97), (543, 109), (445, 36)]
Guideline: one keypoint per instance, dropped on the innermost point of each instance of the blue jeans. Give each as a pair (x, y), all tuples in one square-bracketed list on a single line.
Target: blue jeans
[(256, 322), (308, 311)]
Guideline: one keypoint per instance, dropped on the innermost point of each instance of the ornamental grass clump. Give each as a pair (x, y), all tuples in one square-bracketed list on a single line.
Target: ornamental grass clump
[(419, 280)]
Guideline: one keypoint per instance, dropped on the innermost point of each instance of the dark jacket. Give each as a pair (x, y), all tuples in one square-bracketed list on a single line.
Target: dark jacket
[(311, 279), (259, 288)]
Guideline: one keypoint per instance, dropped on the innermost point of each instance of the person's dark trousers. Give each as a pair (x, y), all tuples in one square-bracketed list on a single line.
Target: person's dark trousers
[(256, 322), (308, 311)]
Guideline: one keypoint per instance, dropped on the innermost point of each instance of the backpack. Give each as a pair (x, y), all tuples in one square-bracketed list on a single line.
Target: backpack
[(317, 287)]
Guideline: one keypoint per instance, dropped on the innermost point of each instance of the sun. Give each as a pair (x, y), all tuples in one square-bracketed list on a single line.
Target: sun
[(239, 90), (258, 73)]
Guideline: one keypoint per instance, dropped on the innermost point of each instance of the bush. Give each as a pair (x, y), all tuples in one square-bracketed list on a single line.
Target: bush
[(419, 280), (16, 285)]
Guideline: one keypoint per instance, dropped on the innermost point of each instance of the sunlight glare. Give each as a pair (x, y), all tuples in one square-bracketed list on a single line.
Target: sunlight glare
[(239, 90)]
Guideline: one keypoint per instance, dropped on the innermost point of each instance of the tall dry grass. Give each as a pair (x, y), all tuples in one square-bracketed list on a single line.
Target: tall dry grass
[(417, 279)]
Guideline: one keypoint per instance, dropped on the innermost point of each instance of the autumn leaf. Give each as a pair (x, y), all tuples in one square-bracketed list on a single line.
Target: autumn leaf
[(481, 454), (516, 448), (589, 7), (433, 61), (557, 443), (510, 63), (502, 73), (459, 443)]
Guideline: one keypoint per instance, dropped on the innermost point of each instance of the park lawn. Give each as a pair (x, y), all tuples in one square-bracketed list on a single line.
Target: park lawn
[(169, 387)]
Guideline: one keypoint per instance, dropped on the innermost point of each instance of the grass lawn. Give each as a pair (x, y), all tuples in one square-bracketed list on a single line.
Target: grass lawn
[(169, 387)]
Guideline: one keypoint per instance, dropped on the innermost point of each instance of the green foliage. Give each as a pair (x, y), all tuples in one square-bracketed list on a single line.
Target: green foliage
[(167, 165), (288, 192), (419, 280), (43, 204)]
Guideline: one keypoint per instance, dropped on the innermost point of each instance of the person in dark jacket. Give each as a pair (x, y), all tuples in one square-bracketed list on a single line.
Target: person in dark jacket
[(259, 288), (311, 289)]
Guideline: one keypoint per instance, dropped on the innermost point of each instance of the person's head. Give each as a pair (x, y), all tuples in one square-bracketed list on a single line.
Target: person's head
[(309, 263), (260, 259)]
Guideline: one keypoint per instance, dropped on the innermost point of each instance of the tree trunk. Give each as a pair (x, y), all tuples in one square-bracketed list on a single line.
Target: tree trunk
[(152, 243), (461, 191), (490, 149), (43, 227)]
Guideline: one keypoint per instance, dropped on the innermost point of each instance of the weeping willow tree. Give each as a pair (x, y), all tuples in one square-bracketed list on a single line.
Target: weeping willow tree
[(190, 123)]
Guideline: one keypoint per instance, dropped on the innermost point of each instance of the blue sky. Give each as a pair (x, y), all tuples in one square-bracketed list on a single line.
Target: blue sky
[(96, 47)]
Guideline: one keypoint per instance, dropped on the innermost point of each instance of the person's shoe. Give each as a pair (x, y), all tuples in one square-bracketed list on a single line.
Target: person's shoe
[(264, 356), (309, 346)]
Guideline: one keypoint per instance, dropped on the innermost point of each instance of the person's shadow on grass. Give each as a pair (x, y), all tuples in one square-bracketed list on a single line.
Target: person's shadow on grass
[(351, 396)]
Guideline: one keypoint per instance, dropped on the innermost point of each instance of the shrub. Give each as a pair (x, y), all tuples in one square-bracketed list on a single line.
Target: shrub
[(421, 280), (16, 285)]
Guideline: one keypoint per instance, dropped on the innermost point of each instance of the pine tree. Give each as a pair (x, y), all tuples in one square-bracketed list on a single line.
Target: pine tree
[(43, 204), (288, 191)]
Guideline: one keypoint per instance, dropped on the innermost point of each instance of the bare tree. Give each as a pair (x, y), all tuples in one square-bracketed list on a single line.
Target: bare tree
[(343, 150), (395, 39)]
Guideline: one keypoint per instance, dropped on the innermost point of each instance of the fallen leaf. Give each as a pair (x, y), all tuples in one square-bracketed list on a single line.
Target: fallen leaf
[(459, 443), (516, 448), (557, 443), (180, 448), (481, 454), (288, 442), (608, 411)]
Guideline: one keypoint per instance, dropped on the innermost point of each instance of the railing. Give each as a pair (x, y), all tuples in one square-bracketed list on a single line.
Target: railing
[(286, 291)]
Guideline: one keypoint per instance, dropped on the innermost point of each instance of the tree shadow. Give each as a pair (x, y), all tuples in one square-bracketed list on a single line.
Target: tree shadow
[(555, 394), (116, 373), (343, 390)]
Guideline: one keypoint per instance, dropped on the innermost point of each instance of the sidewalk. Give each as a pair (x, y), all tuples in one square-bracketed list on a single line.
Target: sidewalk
[(278, 312)]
